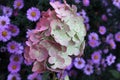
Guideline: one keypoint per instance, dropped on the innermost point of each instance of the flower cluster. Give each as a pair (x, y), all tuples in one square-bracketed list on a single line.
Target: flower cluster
[(58, 35)]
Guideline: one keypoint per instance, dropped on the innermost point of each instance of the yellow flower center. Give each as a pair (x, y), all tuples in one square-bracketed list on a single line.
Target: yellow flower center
[(119, 36), (96, 57), (12, 47), (16, 58), (14, 67), (13, 30), (33, 14), (4, 33), (18, 4)]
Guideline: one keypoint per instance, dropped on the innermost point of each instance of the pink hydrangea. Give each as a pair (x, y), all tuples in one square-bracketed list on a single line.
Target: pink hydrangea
[(56, 38)]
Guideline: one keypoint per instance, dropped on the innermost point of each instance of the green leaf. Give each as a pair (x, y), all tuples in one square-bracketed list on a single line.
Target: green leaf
[(115, 74), (45, 75)]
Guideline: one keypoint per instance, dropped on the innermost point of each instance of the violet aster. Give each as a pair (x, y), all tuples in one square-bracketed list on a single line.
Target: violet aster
[(16, 58), (34, 76), (12, 47), (93, 36), (77, 1), (96, 57), (33, 14), (86, 2), (15, 47), (116, 3), (117, 36), (14, 30), (3, 49), (102, 30), (4, 21), (14, 67), (94, 43), (118, 66), (18, 4), (5, 35), (88, 69), (112, 44), (14, 76), (109, 37), (110, 59), (79, 63), (7, 11)]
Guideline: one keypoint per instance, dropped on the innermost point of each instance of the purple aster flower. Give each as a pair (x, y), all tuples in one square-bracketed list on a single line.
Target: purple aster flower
[(14, 47), (34, 76), (112, 44), (33, 14), (106, 50), (77, 1), (102, 30), (104, 17), (4, 21), (14, 30), (87, 26), (88, 69), (118, 67), (72, 73), (18, 4), (93, 36), (14, 67), (14, 76), (83, 13), (116, 3), (28, 63), (109, 37), (94, 43), (54, 0), (110, 59), (62, 75), (103, 63), (117, 36), (3, 49), (86, 2), (5, 35), (69, 67), (96, 57), (79, 63), (86, 19), (7, 11), (16, 58), (90, 62)]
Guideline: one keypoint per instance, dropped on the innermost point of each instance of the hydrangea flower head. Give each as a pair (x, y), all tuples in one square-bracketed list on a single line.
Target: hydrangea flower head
[(58, 35)]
